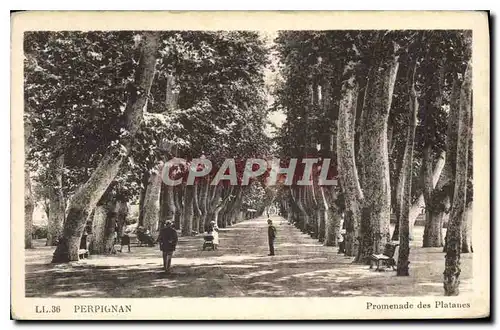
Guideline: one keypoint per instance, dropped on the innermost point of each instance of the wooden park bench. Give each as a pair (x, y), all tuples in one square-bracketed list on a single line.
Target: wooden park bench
[(386, 258)]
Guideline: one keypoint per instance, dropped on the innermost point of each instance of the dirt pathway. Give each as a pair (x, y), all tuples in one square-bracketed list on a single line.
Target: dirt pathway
[(241, 267)]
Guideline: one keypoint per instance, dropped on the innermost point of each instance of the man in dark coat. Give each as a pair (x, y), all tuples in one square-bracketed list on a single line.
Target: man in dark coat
[(271, 234), (168, 241)]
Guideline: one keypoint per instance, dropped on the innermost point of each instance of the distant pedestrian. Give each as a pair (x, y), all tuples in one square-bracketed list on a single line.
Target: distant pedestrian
[(125, 241), (271, 234), (168, 241)]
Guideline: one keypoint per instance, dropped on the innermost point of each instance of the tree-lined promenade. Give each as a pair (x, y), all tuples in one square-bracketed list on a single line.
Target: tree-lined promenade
[(302, 267), (105, 112)]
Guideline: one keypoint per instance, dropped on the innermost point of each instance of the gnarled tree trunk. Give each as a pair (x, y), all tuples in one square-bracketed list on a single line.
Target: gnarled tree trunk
[(375, 216), (220, 206), (121, 220), (451, 141), (142, 197), (29, 201), (168, 205), (347, 165), (301, 203), (434, 210), (97, 241), (56, 202), (187, 226), (404, 221), (196, 208), (416, 208), (467, 230), (332, 218), (88, 195), (433, 236), (103, 226), (203, 204), (151, 217), (179, 207), (399, 192), (453, 243), (29, 208)]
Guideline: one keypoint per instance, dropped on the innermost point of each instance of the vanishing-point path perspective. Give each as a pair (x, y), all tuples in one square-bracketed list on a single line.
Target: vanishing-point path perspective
[(239, 268), (356, 143)]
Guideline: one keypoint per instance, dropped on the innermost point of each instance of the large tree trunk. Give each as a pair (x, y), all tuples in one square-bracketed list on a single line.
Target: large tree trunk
[(322, 216), (434, 209), (301, 214), (453, 245), (179, 206), (220, 206), (121, 220), (97, 241), (56, 202), (332, 221), (212, 196), (168, 204), (233, 206), (293, 211), (433, 236), (103, 227), (87, 196), (375, 232), (203, 205), (451, 140), (332, 230), (29, 208), (302, 203), (400, 191), (142, 197), (404, 221), (187, 226), (467, 230), (312, 209), (347, 165), (237, 207), (151, 217), (416, 208), (329, 150), (196, 208), (29, 201)]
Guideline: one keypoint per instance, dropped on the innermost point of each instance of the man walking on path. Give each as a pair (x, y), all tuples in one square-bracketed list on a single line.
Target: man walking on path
[(271, 234), (168, 242)]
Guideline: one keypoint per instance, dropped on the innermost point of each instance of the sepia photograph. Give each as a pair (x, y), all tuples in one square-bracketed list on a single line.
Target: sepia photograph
[(250, 162)]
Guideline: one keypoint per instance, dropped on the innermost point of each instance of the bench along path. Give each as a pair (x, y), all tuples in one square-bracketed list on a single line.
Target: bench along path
[(240, 267)]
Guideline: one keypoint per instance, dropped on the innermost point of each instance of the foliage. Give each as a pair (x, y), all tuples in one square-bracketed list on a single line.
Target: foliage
[(253, 196), (76, 91), (40, 232), (327, 58)]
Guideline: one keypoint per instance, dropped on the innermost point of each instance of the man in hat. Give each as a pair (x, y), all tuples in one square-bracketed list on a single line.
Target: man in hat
[(271, 234), (168, 241)]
